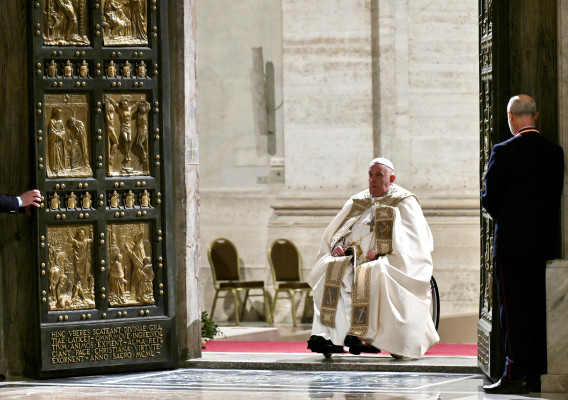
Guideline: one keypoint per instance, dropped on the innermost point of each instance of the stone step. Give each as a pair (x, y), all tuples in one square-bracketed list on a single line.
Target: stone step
[(338, 362)]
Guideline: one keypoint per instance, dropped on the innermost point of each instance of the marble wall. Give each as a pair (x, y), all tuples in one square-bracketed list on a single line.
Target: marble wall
[(328, 116), (556, 380), (233, 149), (361, 78), (428, 112)]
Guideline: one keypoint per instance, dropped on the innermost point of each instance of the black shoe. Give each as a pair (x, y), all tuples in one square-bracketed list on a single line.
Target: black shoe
[(352, 341), (318, 344), (507, 386), (357, 347)]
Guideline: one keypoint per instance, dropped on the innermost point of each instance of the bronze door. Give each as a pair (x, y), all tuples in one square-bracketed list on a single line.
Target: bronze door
[(101, 134), (491, 98)]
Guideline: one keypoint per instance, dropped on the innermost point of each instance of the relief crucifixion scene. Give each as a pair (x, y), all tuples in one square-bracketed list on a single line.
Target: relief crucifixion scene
[(126, 124), (68, 135), (131, 274), (71, 278), (125, 22), (65, 23)]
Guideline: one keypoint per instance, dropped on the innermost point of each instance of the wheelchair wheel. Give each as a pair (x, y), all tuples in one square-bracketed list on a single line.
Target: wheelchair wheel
[(435, 304)]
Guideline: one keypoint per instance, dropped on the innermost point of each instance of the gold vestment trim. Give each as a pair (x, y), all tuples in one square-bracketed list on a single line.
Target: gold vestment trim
[(360, 296), (331, 290), (362, 201)]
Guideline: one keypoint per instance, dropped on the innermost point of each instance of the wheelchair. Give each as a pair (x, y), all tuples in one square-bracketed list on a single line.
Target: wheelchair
[(434, 310)]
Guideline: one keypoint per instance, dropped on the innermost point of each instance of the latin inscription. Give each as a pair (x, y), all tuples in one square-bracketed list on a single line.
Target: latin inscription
[(102, 344)]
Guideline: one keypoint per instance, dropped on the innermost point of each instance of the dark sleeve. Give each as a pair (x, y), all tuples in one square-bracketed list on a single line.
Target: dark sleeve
[(492, 194), (9, 204)]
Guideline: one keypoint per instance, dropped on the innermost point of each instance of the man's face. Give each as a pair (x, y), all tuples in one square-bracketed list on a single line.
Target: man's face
[(381, 179)]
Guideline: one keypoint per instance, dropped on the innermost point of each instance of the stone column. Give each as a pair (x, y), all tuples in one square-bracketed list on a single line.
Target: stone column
[(185, 144), (556, 380)]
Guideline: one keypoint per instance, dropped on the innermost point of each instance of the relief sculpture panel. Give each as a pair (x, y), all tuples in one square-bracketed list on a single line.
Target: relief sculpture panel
[(71, 273), (125, 22), (131, 274), (126, 125), (68, 135), (65, 23)]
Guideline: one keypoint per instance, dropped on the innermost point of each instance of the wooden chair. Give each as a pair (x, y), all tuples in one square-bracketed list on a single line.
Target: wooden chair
[(286, 265), (225, 266)]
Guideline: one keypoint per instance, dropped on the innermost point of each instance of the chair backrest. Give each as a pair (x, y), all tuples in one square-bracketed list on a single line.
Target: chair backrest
[(284, 259), (224, 260)]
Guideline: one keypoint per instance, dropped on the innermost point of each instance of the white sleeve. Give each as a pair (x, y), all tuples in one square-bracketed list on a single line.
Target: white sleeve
[(332, 228)]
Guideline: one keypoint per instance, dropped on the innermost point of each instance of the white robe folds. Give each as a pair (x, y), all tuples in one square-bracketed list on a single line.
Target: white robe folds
[(394, 289)]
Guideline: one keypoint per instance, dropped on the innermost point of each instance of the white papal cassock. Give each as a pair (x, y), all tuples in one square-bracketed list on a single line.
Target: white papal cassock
[(386, 302)]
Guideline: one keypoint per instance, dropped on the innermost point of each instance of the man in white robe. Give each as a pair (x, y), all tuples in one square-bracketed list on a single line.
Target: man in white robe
[(384, 299)]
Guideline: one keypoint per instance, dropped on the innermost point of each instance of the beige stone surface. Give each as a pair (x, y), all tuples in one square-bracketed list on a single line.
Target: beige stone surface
[(551, 383), (185, 167), (458, 329), (428, 95), (328, 92), (233, 152), (556, 311)]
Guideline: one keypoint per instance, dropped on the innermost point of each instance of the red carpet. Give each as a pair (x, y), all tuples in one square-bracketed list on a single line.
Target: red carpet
[(440, 350)]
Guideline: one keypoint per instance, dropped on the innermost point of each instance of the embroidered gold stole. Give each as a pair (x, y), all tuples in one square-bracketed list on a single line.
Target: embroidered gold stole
[(383, 212)]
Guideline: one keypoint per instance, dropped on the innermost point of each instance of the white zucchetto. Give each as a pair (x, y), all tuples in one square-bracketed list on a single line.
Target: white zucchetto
[(383, 161)]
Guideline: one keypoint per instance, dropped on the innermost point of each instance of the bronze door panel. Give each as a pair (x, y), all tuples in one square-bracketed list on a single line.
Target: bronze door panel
[(68, 136), (65, 22), (126, 128), (124, 23), (131, 275), (101, 135), (71, 269)]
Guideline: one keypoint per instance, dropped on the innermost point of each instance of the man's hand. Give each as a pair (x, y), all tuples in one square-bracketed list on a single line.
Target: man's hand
[(372, 254), (31, 198), (338, 251)]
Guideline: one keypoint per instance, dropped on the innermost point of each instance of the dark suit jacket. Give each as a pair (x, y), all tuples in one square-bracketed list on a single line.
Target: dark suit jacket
[(523, 186), (9, 204)]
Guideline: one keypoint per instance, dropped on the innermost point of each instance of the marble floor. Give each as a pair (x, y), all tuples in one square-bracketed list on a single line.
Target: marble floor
[(197, 384)]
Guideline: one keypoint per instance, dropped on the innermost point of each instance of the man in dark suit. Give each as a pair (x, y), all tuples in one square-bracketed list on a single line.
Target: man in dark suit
[(15, 204), (523, 186)]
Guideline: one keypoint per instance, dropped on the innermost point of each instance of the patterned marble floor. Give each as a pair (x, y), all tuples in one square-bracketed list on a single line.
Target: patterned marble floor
[(197, 384)]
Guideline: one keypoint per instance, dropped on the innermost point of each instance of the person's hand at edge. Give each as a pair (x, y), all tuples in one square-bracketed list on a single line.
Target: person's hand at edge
[(31, 198)]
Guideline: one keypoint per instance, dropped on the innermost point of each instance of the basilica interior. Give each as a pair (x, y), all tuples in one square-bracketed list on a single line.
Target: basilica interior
[(156, 128)]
